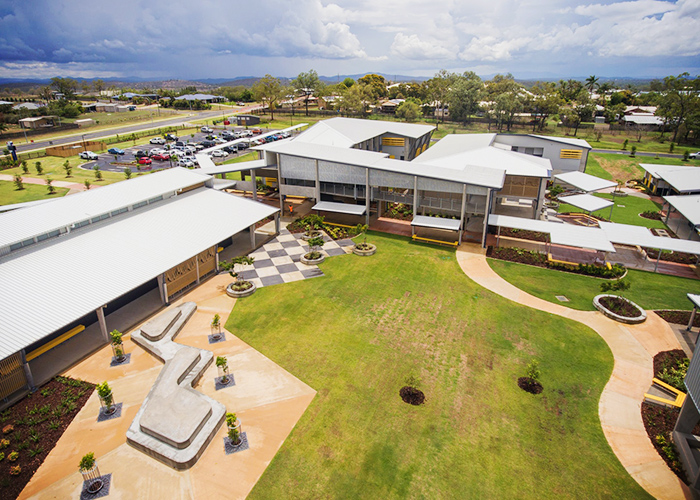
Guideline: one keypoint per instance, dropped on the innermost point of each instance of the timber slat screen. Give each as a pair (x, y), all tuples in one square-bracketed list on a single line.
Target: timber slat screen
[(12, 376)]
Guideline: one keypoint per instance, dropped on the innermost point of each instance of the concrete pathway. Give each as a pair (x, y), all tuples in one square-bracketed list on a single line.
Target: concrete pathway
[(633, 347), (33, 180), (267, 399)]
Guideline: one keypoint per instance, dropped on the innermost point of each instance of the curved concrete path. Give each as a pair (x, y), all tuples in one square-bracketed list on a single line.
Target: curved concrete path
[(633, 347)]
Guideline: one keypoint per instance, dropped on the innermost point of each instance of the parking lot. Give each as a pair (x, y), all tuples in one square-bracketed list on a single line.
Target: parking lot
[(107, 161)]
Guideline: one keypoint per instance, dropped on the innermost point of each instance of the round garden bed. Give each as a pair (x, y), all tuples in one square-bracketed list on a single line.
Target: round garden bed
[(529, 385), (311, 260), (364, 249), (411, 395), (315, 234), (235, 289), (619, 309)]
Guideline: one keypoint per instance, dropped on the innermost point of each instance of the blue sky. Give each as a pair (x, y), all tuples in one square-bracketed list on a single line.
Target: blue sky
[(220, 39)]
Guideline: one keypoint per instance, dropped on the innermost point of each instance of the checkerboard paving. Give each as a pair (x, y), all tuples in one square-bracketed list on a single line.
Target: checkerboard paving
[(279, 262)]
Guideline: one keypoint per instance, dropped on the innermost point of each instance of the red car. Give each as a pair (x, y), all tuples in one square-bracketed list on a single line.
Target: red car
[(145, 160), (161, 157)]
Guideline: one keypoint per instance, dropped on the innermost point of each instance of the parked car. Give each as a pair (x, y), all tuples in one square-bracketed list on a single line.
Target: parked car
[(157, 140), (161, 157), (171, 137), (88, 155), (695, 156), (218, 153), (187, 163), (219, 141), (115, 151), (256, 131), (144, 160), (228, 135), (208, 144), (243, 145), (230, 149), (157, 151), (206, 130), (198, 147)]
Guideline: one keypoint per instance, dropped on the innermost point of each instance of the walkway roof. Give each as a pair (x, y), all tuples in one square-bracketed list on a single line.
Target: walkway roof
[(26, 223), (625, 234), (340, 208), (435, 222), (695, 299), (585, 182), (688, 205), (51, 284), (215, 169), (587, 202)]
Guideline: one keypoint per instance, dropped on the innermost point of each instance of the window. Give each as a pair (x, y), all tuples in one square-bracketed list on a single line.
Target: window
[(140, 204)]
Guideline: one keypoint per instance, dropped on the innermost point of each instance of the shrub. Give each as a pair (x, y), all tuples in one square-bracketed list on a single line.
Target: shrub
[(13, 456), (116, 336), (98, 173), (615, 286), (670, 147), (87, 184), (555, 191), (4, 443), (233, 433), (25, 167), (2, 456), (39, 168), (18, 182), (15, 470), (67, 168), (127, 173), (675, 375), (50, 186), (87, 462), (532, 371), (633, 151), (222, 362), (624, 144), (686, 155), (104, 391)]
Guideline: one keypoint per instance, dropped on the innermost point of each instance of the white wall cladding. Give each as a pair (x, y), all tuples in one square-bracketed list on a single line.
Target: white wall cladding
[(294, 167), (338, 172), (380, 178), (437, 185)]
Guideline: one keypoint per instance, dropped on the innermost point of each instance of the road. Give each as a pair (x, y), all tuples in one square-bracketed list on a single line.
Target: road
[(121, 130), (638, 153)]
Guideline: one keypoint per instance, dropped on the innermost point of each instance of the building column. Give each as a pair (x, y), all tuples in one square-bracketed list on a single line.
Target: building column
[(367, 194), (252, 235), (196, 267), (216, 257), (255, 184), (415, 195), (692, 319), (487, 210), (27, 371), (461, 213), (540, 197), (668, 212), (277, 223), (318, 184), (103, 324)]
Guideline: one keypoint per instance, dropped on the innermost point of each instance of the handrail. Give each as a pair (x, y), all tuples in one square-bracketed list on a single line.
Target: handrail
[(439, 242)]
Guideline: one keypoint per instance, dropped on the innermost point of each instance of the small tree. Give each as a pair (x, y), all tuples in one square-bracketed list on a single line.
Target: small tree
[(18, 182), (87, 184), (25, 167), (104, 391), (87, 462), (222, 364), (313, 224), (686, 155), (532, 371), (633, 151), (624, 144), (315, 245), (233, 433), (67, 168), (49, 185), (618, 286), (117, 344), (98, 173), (670, 147), (230, 265), (555, 191), (127, 173), (39, 168)]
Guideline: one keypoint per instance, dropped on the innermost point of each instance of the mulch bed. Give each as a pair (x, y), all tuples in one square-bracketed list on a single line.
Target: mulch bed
[(411, 395), (677, 257), (38, 420), (667, 359), (529, 385), (679, 317), (261, 223), (517, 255), (620, 306), (651, 215), (525, 235), (397, 215), (660, 421)]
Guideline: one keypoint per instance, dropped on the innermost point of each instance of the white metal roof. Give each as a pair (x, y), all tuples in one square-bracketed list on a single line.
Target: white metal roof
[(695, 299), (643, 119), (220, 184), (565, 140), (625, 234), (226, 168), (435, 222), (355, 130), (688, 205), (340, 208), (585, 182), (51, 284), (491, 157), (684, 179), (587, 202), (560, 234), (455, 144), (25, 223)]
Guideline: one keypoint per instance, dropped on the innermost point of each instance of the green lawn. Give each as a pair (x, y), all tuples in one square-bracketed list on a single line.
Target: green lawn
[(355, 334), (625, 211), (649, 290), (9, 195), (622, 167), (53, 167)]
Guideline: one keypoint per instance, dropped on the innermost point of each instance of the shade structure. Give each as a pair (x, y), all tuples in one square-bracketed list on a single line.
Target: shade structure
[(586, 202), (624, 234), (435, 222), (340, 208), (585, 182)]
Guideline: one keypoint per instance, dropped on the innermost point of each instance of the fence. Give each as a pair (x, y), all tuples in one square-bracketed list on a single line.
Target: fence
[(74, 148), (32, 132)]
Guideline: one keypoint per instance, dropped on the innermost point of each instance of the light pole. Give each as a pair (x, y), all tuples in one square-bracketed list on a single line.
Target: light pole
[(84, 146)]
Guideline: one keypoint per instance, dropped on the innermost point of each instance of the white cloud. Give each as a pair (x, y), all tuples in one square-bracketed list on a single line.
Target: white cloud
[(412, 47)]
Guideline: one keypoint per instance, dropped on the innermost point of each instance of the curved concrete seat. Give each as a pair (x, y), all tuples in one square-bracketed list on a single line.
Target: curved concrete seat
[(175, 422)]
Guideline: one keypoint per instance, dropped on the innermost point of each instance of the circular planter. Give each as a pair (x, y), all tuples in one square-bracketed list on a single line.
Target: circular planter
[(312, 262), (316, 234), (237, 427), (107, 402), (622, 319), (365, 253), (243, 293), (216, 330), (92, 479)]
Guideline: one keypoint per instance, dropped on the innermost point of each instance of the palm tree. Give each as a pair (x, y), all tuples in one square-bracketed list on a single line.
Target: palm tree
[(591, 82)]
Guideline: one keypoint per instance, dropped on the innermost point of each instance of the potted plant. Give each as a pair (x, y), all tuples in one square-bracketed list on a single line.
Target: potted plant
[(239, 288), (117, 346), (364, 249), (313, 223), (616, 306), (104, 391), (216, 327), (222, 364), (234, 428), (314, 256), (92, 478)]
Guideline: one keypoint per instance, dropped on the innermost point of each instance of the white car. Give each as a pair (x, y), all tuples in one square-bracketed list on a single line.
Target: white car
[(157, 140), (695, 156), (218, 152), (219, 141), (187, 163), (206, 130), (88, 155), (156, 151)]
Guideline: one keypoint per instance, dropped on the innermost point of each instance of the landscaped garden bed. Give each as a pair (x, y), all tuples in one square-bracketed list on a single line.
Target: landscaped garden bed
[(659, 421), (677, 257), (33, 426), (261, 223), (679, 317), (399, 211), (317, 223), (651, 215), (524, 234)]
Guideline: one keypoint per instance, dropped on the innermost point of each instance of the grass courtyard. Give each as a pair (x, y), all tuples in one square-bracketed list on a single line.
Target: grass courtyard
[(625, 211), (649, 290), (356, 334)]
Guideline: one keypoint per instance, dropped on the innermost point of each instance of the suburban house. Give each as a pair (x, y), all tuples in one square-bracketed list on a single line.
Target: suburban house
[(201, 97), (37, 122)]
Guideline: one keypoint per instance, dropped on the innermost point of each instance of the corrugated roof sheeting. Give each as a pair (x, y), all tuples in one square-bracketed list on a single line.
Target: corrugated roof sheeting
[(50, 285), (692, 381), (585, 182), (231, 167), (586, 202), (624, 234), (435, 222), (341, 208), (688, 206), (25, 223)]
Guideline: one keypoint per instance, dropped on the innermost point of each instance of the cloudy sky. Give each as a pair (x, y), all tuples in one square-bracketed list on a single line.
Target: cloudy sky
[(229, 38)]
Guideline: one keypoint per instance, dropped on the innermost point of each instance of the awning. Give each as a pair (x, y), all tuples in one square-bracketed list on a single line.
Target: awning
[(695, 299), (226, 168), (586, 202), (220, 184), (435, 222), (637, 235), (585, 182), (340, 208)]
